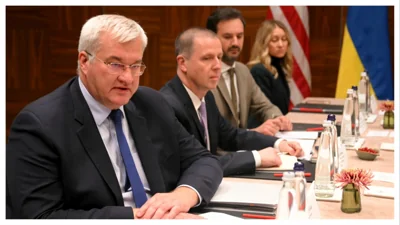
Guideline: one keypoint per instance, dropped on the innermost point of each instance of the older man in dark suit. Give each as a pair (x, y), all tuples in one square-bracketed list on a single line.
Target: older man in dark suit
[(86, 151)]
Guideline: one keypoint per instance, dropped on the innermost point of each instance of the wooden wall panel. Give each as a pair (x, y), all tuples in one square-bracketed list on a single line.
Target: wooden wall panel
[(42, 44)]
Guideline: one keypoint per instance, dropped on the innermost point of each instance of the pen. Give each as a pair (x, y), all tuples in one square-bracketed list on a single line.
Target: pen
[(254, 216), (281, 174), (316, 110), (315, 129)]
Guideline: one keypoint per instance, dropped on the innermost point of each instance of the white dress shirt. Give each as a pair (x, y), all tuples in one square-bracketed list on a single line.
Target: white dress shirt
[(108, 133)]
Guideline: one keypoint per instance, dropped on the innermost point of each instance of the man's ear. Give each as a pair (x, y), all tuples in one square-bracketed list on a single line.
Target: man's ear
[(181, 61), (83, 60)]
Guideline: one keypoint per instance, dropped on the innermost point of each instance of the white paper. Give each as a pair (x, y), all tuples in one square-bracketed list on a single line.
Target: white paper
[(381, 176), (311, 204), (391, 134), (377, 133), (241, 192), (371, 118), (297, 135), (378, 191), (307, 146), (219, 216), (381, 112), (387, 146), (288, 162)]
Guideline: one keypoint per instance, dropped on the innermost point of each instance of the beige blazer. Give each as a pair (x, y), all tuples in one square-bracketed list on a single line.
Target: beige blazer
[(251, 99)]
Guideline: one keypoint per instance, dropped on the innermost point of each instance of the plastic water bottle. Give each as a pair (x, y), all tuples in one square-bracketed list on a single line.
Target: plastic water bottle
[(356, 114), (324, 169), (335, 146), (287, 205), (346, 133), (364, 95), (300, 186)]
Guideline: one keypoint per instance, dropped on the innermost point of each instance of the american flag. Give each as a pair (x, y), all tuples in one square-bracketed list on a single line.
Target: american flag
[(295, 19)]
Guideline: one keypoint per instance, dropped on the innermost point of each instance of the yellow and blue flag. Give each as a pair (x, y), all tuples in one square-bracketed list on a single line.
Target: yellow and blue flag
[(366, 47)]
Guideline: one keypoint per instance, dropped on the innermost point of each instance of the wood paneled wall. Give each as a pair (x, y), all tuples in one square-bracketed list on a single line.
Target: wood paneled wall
[(42, 41)]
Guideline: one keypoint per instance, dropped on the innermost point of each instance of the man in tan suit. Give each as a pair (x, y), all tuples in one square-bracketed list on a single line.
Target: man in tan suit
[(237, 94)]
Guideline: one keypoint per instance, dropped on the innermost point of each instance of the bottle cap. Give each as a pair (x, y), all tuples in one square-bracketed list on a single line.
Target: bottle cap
[(349, 91), (287, 176), (331, 117), (327, 123), (298, 166), (354, 88), (363, 74)]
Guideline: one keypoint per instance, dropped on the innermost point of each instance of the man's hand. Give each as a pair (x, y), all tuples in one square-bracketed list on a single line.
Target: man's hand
[(269, 127), (168, 205), (284, 123), (291, 147), (269, 157)]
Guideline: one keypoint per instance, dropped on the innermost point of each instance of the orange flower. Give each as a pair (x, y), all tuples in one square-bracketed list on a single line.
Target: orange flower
[(358, 177), (386, 106)]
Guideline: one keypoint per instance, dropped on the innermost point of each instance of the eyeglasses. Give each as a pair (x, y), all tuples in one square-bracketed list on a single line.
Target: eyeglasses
[(118, 68)]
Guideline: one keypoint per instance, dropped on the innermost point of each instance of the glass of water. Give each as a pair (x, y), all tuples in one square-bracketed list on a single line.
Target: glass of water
[(324, 189)]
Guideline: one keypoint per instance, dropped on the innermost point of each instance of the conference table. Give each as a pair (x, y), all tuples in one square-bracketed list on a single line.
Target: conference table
[(372, 207)]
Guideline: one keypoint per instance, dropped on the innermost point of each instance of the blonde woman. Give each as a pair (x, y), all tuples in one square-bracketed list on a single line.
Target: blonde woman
[(271, 62)]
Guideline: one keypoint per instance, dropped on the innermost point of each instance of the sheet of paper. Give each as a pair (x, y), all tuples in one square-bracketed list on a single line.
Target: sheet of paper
[(391, 134), (297, 134), (307, 146), (381, 112), (371, 118), (288, 162), (219, 216), (387, 146), (381, 176), (242, 192), (378, 191), (377, 133)]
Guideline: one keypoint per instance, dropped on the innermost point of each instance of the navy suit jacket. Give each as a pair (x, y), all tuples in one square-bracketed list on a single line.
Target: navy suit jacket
[(221, 133), (57, 165)]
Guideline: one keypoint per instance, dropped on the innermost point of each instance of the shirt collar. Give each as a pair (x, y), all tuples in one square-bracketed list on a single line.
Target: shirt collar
[(98, 110), (225, 67), (195, 100)]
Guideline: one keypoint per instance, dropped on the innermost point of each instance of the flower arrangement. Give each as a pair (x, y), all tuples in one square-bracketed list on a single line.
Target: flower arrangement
[(357, 177), (386, 106)]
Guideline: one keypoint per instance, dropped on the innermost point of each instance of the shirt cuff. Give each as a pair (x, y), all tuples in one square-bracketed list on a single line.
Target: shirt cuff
[(198, 195), (277, 142), (257, 158)]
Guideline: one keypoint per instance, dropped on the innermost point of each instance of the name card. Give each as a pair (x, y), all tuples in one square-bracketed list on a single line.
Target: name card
[(311, 204), (342, 156)]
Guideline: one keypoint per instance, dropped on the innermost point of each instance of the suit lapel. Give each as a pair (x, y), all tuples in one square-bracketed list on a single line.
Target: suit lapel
[(146, 150), (187, 102), (243, 104), (225, 93), (93, 143)]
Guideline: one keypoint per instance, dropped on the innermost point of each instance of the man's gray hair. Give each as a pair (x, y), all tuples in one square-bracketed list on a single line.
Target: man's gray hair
[(119, 27)]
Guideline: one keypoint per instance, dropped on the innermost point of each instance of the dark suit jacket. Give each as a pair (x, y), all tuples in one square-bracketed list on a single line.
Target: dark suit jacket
[(221, 133), (58, 167), (277, 90)]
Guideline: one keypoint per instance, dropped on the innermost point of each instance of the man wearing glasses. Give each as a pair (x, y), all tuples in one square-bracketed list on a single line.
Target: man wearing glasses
[(86, 151)]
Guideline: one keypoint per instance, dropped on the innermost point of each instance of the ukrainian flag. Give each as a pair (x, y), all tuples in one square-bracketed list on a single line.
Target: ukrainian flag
[(366, 46)]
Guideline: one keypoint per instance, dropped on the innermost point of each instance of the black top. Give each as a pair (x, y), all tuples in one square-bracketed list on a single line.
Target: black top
[(276, 90)]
